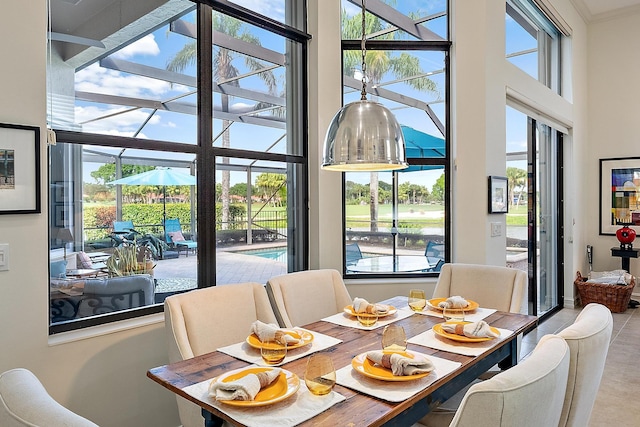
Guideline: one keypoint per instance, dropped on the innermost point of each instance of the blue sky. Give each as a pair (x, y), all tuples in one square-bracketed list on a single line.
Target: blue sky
[(158, 48)]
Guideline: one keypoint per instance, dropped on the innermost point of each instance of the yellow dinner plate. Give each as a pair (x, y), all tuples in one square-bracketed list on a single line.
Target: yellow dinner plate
[(284, 386), (392, 310), (433, 303), (366, 367), (437, 328), (307, 338)]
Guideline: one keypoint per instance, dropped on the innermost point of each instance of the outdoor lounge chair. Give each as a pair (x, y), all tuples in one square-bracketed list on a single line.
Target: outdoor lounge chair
[(175, 238), (123, 231), (435, 255), (353, 253)]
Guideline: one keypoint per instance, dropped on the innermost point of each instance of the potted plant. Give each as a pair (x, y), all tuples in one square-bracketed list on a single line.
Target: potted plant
[(130, 259)]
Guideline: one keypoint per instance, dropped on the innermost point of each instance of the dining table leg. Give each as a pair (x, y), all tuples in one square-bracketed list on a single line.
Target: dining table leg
[(211, 420), (507, 352), (512, 360)]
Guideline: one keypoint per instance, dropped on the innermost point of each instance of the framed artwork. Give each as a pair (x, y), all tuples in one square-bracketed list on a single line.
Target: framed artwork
[(60, 214), (19, 169), (63, 191), (619, 194), (498, 195)]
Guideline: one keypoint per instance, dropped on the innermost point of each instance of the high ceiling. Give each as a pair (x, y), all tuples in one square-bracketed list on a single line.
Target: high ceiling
[(601, 9), (70, 15)]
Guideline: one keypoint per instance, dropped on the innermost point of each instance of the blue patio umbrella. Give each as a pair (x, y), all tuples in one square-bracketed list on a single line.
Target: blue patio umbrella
[(159, 176), (422, 145)]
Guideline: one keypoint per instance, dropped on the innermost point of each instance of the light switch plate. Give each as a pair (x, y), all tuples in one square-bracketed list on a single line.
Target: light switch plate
[(496, 229), (4, 256)]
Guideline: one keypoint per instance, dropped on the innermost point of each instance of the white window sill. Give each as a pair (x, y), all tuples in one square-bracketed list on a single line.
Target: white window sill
[(107, 328)]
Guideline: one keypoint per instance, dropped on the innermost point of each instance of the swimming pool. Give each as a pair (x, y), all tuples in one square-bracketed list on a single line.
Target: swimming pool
[(276, 254)]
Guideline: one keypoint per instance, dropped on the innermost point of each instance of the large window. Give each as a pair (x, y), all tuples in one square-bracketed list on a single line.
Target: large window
[(396, 222), (533, 42), (181, 137), (534, 158)]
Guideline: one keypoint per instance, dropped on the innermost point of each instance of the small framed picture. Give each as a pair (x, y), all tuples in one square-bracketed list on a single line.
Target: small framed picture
[(19, 169), (61, 219), (619, 194), (498, 195), (63, 191)]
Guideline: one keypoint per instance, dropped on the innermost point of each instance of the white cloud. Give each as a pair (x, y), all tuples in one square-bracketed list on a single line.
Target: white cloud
[(241, 107), (101, 80), (266, 8), (145, 46), (115, 132), (125, 124)]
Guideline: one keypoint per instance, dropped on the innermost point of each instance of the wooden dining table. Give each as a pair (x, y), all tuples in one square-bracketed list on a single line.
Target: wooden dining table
[(359, 409)]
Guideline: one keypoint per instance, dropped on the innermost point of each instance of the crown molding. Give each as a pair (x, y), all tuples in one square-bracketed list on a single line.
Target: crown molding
[(614, 14), (582, 10), (589, 17)]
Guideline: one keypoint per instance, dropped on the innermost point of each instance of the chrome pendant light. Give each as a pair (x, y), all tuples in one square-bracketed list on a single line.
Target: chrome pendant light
[(364, 135)]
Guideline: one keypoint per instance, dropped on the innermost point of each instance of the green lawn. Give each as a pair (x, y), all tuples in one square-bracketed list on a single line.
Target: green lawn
[(358, 215), (517, 216)]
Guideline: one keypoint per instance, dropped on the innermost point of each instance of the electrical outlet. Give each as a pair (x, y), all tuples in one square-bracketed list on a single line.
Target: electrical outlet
[(4, 256), (496, 229)]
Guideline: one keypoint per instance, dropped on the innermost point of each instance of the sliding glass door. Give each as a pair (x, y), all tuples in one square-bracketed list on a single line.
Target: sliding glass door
[(534, 222)]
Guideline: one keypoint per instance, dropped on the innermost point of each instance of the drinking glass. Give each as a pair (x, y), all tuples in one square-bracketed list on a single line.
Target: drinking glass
[(273, 352), (417, 299), (367, 319), (394, 338), (320, 375), (453, 315)]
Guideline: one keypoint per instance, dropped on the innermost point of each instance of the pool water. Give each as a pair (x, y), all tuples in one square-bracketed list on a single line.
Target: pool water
[(276, 254)]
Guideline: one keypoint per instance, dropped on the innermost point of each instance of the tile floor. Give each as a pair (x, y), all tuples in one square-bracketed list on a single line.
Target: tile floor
[(616, 404)]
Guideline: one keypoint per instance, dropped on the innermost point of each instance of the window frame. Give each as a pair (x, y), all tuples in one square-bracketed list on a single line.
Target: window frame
[(548, 41), (410, 45), (206, 154)]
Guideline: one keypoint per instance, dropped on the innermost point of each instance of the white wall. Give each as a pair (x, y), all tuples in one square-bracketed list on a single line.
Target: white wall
[(325, 99), (478, 128), (103, 377), (614, 112), (481, 78)]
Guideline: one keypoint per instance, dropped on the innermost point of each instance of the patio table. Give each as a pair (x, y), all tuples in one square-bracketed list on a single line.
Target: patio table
[(387, 263)]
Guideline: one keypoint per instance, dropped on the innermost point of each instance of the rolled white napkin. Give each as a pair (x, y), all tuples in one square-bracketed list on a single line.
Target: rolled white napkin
[(401, 365), (244, 388), (454, 302), (361, 305), (270, 331), (480, 329)]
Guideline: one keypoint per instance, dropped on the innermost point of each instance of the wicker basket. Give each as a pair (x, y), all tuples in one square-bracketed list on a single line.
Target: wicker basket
[(615, 297)]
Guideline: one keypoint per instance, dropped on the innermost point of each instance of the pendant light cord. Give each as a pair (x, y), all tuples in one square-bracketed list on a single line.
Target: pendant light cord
[(364, 54)]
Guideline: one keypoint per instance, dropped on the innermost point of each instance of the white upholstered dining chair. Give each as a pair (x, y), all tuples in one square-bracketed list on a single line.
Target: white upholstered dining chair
[(529, 394), (307, 296), (202, 320), (491, 286), (588, 339), (25, 402), (499, 288)]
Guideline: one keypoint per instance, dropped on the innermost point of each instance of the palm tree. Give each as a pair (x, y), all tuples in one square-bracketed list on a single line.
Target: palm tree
[(516, 177), (224, 68), (379, 63)]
